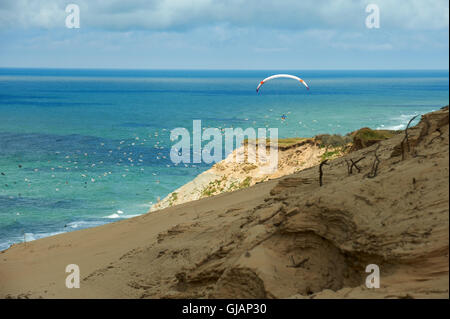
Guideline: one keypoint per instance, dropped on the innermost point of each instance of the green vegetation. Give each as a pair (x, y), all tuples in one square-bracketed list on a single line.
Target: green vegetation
[(365, 137), (208, 191), (330, 154), (335, 140), (218, 186), (213, 187), (232, 187), (368, 134), (173, 198), (289, 142), (284, 142), (245, 183)]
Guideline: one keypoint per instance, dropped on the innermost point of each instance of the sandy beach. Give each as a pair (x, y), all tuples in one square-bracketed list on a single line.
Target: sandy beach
[(287, 237)]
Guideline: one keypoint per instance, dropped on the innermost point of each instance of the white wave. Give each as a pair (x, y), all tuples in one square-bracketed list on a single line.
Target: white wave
[(115, 215), (131, 216), (84, 224), (33, 236), (5, 245), (392, 127), (403, 119), (27, 237)]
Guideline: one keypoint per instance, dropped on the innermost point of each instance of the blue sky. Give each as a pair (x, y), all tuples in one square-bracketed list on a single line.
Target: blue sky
[(232, 34)]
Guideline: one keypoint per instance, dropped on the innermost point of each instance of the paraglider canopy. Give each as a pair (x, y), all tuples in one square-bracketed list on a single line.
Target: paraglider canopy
[(276, 76)]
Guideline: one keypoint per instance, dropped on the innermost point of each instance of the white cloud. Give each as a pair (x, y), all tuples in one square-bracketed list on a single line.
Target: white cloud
[(233, 33), (187, 14)]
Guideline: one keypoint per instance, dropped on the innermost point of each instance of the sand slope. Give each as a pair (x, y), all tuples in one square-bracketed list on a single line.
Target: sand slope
[(285, 238)]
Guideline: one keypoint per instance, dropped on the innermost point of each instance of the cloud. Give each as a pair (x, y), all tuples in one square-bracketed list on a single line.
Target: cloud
[(225, 34), (182, 15)]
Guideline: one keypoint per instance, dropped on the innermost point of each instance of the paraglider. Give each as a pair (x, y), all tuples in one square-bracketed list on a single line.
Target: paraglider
[(276, 76)]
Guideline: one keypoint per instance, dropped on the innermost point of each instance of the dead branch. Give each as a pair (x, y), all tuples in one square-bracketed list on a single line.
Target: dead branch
[(321, 172), (299, 264), (375, 164), (354, 164), (348, 167), (402, 144)]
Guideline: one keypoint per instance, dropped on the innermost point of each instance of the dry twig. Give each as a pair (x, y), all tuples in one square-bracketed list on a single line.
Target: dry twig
[(375, 164), (406, 138), (321, 171), (299, 264), (350, 167)]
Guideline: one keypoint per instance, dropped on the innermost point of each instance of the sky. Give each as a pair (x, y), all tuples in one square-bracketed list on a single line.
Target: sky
[(225, 34)]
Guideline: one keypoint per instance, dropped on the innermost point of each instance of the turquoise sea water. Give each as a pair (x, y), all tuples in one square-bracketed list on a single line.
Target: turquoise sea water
[(80, 148)]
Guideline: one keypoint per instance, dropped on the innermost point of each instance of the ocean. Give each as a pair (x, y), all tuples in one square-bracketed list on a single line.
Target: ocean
[(81, 148)]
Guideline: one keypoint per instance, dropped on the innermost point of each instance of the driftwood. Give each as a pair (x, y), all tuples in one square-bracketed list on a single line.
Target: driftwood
[(321, 171), (406, 138)]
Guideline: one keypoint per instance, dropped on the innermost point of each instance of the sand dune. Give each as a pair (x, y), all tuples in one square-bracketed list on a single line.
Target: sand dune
[(284, 238)]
